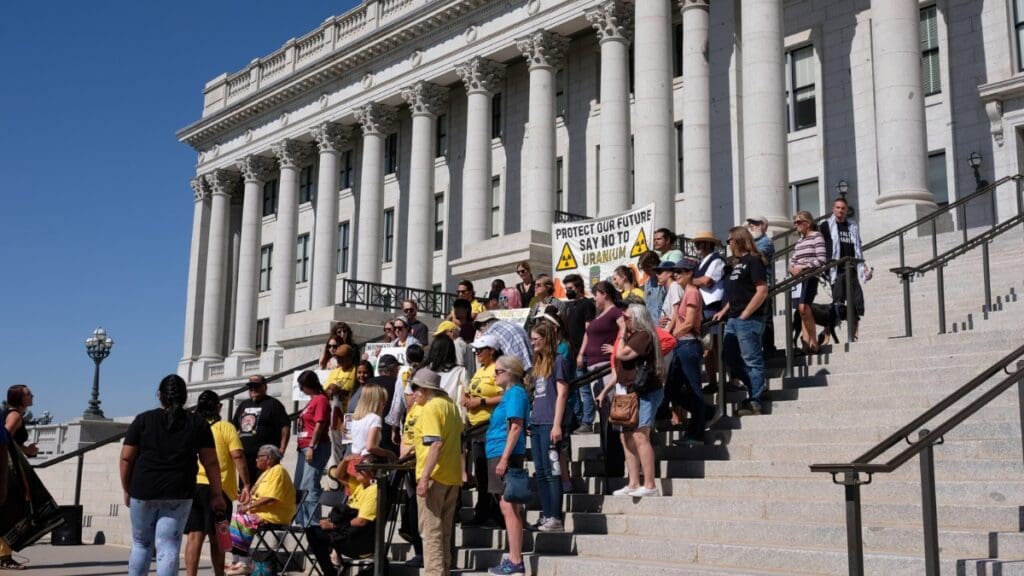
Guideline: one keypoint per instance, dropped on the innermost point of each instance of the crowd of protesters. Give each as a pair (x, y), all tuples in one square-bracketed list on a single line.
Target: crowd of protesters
[(464, 403)]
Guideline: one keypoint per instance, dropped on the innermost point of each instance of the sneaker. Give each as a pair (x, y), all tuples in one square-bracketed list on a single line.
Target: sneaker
[(749, 408), (624, 491), (507, 568), (536, 525), (552, 525), (238, 569), (584, 429), (641, 492)]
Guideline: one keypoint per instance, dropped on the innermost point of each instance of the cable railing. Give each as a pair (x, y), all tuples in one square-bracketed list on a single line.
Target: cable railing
[(859, 472)]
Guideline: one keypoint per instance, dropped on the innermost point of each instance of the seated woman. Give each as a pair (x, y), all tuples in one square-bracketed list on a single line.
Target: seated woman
[(272, 502), (349, 529)]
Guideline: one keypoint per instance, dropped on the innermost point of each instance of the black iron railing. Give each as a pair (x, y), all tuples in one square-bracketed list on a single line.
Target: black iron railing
[(389, 298), (853, 475), (689, 248), (561, 217)]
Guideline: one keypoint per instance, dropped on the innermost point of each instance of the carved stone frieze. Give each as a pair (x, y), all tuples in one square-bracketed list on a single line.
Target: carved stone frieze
[(331, 137), (481, 75), (222, 181), (255, 168), (292, 153), (543, 48), (613, 20), (376, 118), (426, 99)]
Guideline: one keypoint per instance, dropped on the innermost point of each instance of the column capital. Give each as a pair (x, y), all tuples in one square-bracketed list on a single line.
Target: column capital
[(376, 118), (255, 168), (481, 75), (703, 4), (543, 49), (426, 98), (221, 181), (331, 137), (199, 188), (613, 20), (292, 153)]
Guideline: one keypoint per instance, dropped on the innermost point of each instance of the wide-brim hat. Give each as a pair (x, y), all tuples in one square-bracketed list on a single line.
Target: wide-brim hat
[(686, 265), (706, 236), (426, 378)]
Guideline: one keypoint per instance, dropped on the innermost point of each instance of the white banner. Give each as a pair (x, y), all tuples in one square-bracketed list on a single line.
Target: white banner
[(513, 315), (297, 394), (594, 248)]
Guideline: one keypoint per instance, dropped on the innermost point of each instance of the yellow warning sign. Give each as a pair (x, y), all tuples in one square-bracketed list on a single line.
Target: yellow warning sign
[(639, 247), (567, 261)]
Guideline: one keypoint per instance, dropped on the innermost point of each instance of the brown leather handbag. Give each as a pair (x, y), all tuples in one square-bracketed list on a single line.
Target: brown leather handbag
[(625, 410)]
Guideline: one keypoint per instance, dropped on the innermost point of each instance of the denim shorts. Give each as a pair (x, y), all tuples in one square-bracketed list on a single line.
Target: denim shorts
[(649, 403)]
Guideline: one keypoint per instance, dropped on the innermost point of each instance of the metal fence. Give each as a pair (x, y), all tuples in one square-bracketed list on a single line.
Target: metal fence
[(389, 298)]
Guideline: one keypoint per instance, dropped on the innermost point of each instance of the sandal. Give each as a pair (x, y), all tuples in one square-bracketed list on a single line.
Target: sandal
[(9, 563)]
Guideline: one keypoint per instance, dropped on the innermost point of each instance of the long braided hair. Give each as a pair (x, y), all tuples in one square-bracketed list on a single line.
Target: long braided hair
[(173, 395)]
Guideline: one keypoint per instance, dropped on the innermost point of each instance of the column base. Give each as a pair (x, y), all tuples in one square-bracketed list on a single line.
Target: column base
[(185, 369), (235, 365), (207, 369), (895, 210)]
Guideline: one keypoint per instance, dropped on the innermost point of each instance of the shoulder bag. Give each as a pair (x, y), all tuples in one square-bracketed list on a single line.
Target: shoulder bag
[(517, 486), (625, 410)]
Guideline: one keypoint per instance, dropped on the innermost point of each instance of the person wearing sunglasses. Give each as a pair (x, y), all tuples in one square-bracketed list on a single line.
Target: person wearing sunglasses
[(809, 253), (417, 329), (479, 400), (525, 286), (403, 337)]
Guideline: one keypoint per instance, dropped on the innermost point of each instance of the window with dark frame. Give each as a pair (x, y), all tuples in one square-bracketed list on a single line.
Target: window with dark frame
[(800, 89), (495, 206), (389, 234), (270, 197), (931, 78), (346, 171), (262, 334), (560, 92), (677, 49), (266, 265), (497, 128), (806, 197), (302, 259), (439, 222), (441, 140), (343, 247), (1018, 28), (306, 179), (679, 157), (391, 153), (559, 186), (938, 184)]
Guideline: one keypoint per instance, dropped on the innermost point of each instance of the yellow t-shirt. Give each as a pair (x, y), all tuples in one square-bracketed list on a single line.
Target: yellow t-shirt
[(482, 386), (344, 379), (409, 436), (364, 501), (476, 307), (638, 292), (275, 483), (226, 441), (440, 418)]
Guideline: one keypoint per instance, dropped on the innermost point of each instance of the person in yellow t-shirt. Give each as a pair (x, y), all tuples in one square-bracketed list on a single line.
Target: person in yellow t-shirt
[(272, 502), (482, 395), (349, 529), (231, 457), (339, 386), (438, 468)]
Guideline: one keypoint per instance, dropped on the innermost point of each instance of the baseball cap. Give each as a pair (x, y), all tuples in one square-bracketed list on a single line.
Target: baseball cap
[(445, 326), (486, 341)]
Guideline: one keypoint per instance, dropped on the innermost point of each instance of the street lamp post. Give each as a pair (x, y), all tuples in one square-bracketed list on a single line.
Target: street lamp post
[(98, 347)]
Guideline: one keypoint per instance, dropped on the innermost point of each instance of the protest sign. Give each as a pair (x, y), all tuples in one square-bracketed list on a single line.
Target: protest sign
[(594, 248), (517, 316), (297, 394)]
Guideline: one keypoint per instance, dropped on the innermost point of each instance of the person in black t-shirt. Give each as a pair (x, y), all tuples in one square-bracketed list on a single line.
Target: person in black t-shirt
[(842, 239), (579, 311), (158, 475), (261, 420), (746, 289)]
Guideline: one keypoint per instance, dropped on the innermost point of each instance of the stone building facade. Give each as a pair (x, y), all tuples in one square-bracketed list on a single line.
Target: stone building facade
[(417, 142)]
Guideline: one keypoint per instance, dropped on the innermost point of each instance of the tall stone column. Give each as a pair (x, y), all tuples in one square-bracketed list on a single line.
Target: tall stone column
[(196, 275), (765, 169), (652, 88), (696, 117), (425, 101), (612, 20), (256, 171), (291, 155), (376, 120), (221, 184), (899, 114), (545, 52), (482, 77), (330, 139)]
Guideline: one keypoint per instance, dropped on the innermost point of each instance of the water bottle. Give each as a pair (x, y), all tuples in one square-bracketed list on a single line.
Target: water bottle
[(223, 533), (556, 467)]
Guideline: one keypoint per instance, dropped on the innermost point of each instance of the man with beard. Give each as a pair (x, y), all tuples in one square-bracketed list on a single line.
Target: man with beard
[(758, 227)]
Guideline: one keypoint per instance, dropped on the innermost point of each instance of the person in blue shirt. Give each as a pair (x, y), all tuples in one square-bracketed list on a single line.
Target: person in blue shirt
[(505, 449)]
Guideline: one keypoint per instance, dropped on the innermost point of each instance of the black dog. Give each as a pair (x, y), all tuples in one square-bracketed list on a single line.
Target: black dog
[(825, 315)]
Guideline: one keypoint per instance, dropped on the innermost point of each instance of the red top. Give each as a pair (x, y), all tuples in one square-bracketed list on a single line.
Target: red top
[(317, 411)]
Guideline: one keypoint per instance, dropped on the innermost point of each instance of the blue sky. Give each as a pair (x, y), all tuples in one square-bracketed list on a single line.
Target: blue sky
[(97, 209)]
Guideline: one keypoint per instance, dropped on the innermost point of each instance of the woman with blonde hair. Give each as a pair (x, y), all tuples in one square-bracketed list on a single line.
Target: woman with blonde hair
[(809, 253), (637, 344), (550, 381), (367, 422)]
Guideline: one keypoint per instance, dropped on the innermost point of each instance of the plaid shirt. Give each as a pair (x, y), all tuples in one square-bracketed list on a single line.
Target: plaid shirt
[(514, 341)]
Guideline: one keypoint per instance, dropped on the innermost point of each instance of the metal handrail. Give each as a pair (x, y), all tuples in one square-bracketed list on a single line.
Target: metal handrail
[(849, 474), (389, 297)]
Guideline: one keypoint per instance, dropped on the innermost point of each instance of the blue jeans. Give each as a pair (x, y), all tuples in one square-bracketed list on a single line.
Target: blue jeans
[(157, 524), (549, 484), (744, 354), (690, 355), (307, 477), (649, 403), (587, 405)]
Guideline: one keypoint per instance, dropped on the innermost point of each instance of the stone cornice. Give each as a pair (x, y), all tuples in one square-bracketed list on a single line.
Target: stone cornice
[(613, 20), (328, 66), (331, 137), (426, 99), (376, 118), (292, 153), (255, 168), (481, 75), (543, 48)]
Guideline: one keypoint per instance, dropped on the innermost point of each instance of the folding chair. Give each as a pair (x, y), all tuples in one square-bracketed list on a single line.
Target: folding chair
[(387, 498), (281, 533)]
